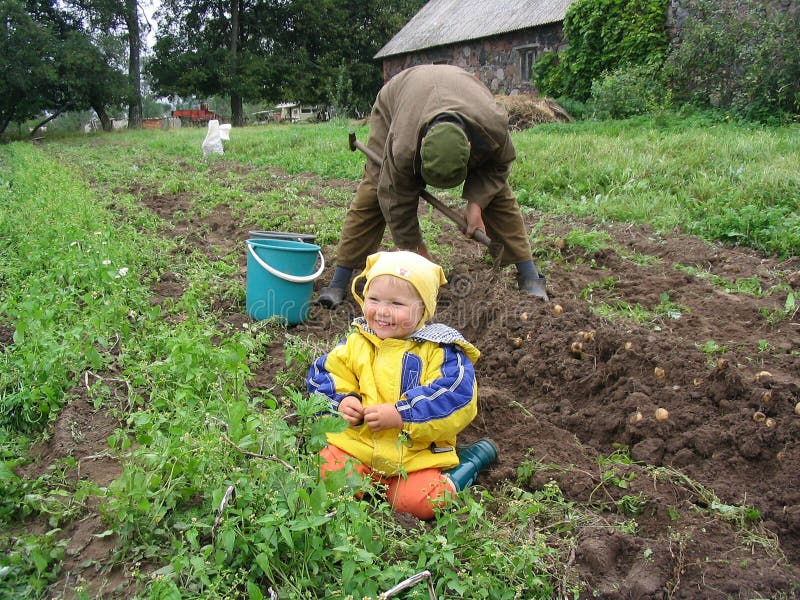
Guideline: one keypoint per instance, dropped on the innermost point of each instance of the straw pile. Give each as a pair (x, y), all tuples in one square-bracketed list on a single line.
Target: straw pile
[(525, 111)]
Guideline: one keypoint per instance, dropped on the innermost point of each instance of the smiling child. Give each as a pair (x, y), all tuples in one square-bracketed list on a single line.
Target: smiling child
[(407, 387)]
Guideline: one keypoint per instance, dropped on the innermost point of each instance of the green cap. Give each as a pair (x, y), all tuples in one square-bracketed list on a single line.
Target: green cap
[(445, 154)]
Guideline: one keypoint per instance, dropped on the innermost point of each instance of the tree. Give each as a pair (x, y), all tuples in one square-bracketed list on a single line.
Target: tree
[(131, 16), (206, 48), (27, 64), (51, 65), (328, 37), (111, 16), (274, 50), (201, 51), (87, 80)]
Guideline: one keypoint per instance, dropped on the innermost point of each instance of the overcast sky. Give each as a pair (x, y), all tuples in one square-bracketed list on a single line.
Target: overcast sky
[(149, 7)]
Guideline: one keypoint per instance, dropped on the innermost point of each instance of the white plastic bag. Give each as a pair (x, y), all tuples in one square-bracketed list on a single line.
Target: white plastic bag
[(213, 142)]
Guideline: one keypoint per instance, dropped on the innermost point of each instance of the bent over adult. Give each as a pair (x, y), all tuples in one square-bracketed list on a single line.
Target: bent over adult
[(434, 125)]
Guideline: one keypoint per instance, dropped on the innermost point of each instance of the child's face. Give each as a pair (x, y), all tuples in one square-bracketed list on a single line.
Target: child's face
[(392, 307)]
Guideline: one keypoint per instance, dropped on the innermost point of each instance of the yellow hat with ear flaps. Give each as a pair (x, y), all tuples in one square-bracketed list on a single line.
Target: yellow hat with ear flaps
[(424, 275)]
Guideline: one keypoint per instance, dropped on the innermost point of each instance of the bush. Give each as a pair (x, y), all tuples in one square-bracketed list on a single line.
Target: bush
[(577, 109), (549, 74), (603, 35), (738, 55), (628, 91)]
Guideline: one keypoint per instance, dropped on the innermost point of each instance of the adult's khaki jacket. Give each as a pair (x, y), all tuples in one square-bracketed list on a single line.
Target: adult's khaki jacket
[(403, 109)]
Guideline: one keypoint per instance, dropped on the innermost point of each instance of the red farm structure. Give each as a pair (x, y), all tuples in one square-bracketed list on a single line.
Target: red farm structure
[(195, 116)]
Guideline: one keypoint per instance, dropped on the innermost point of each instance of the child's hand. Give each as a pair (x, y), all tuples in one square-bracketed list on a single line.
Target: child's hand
[(351, 409), (382, 416)]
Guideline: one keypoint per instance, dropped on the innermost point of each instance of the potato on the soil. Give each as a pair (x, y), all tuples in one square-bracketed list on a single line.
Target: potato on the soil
[(659, 373), (797, 409), (576, 349), (516, 342), (662, 414), (762, 376), (770, 422), (759, 417), (636, 417), (558, 309)]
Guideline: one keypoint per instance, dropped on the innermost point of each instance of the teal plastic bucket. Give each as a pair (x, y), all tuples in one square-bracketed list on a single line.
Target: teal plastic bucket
[(280, 278), (308, 238)]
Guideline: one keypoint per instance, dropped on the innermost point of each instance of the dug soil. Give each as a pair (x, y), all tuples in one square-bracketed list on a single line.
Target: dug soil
[(698, 500)]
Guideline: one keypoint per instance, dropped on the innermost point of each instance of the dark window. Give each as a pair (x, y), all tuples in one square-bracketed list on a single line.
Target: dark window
[(527, 57)]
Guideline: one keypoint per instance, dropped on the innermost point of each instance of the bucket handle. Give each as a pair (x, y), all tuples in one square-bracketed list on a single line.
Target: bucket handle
[(286, 276)]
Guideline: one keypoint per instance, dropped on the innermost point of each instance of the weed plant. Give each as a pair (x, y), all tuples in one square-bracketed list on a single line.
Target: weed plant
[(71, 281)]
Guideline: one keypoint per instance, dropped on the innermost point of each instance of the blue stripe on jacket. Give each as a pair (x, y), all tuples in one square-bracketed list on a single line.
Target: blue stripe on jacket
[(321, 381), (410, 372), (445, 395)]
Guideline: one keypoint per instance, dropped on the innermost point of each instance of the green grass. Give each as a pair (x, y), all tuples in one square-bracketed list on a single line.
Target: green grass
[(70, 275), (741, 285), (321, 149), (721, 181), (589, 241)]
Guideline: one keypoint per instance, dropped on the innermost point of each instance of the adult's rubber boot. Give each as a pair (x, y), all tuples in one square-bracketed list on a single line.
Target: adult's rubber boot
[(331, 297), (535, 286), (474, 458)]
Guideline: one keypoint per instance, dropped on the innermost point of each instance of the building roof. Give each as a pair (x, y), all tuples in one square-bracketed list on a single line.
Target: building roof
[(443, 22)]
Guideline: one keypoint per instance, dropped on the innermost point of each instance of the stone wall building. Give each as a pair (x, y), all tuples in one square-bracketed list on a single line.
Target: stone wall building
[(497, 40)]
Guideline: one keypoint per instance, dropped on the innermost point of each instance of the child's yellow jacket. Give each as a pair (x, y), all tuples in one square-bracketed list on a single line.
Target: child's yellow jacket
[(429, 377)]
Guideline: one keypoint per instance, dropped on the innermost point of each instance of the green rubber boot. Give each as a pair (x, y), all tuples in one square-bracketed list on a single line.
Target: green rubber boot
[(474, 458)]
